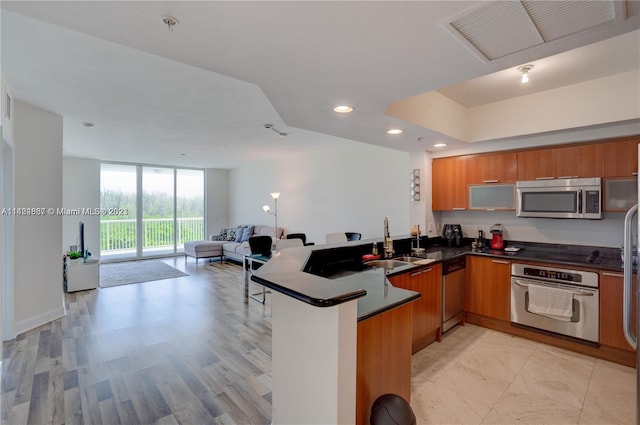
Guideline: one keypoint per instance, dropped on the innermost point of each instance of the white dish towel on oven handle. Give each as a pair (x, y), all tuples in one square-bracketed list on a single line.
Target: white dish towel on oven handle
[(554, 303)]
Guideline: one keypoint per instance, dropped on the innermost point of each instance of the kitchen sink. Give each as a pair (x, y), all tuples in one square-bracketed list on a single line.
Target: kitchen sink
[(387, 264), (408, 259)]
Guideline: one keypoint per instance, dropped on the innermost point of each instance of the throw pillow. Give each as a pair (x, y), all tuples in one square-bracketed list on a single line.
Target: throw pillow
[(231, 234), (239, 232), (247, 232), (222, 236)]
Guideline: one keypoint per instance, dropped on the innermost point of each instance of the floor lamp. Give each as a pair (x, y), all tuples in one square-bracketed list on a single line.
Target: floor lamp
[(267, 209)]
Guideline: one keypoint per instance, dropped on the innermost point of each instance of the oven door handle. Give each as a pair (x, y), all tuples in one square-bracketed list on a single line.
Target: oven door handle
[(578, 293)]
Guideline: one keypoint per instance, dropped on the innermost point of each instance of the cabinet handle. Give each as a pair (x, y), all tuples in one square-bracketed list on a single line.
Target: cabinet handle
[(499, 261), (568, 177), (612, 274), (491, 181), (635, 173), (427, 270), (415, 274), (545, 178), (491, 209), (458, 209)]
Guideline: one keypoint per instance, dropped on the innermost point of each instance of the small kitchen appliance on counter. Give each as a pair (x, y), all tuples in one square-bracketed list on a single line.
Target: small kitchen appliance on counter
[(452, 233), (496, 241)]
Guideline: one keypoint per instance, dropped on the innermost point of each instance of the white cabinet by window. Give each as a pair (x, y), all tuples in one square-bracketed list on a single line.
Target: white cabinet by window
[(81, 275), (492, 197)]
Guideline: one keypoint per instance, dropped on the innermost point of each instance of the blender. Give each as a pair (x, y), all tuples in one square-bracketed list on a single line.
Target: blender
[(496, 240)]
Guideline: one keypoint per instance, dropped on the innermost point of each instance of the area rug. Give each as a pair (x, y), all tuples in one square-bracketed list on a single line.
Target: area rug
[(117, 274)]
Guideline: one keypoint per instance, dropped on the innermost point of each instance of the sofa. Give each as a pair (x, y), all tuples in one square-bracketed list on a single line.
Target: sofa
[(230, 243)]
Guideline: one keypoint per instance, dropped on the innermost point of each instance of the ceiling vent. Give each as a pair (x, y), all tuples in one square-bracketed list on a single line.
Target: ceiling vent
[(500, 28)]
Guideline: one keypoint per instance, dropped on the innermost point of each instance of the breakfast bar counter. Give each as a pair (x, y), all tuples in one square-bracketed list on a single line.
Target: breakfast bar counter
[(341, 334)]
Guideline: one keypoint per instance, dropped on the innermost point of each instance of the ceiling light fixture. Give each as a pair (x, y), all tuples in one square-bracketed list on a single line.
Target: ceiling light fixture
[(439, 145), (395, 131), (170, 22), (524, 69), (88, 124), (343, 109), (281, 133)]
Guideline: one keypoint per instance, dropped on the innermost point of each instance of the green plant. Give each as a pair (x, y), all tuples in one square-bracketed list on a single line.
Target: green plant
[(74, 254)]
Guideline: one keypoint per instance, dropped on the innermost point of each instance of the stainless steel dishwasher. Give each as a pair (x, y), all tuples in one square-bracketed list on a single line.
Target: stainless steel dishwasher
[(453, 284)]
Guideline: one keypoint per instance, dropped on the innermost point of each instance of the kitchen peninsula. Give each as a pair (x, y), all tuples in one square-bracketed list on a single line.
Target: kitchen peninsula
[(334, 350), (325, 299)]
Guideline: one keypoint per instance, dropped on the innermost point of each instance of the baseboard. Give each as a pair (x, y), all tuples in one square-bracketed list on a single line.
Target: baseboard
[(39, 320)]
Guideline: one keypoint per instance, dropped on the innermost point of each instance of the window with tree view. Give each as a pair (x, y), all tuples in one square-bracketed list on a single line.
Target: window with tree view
[(164, 208)]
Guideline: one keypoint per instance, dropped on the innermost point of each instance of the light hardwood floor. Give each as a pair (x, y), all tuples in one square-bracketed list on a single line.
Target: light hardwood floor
[(190, 351), (184, 350)]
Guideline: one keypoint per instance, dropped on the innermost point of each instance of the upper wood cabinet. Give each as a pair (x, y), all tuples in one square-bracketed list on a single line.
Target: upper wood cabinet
[(449, 183), (579, 161), (620, 158), (492, 168), (566, 162)]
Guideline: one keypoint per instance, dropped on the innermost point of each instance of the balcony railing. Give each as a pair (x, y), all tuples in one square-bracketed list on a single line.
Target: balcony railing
[(120, 235)]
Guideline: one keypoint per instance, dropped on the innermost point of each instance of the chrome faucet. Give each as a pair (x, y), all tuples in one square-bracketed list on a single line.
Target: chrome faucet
[(388, 243)]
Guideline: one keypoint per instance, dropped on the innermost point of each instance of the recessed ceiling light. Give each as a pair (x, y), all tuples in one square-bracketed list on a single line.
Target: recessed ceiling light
[(395, 131), (439, 145), (343, 109), (525, 69)]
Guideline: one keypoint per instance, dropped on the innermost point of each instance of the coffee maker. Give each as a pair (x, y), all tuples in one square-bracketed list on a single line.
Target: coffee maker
[(452, 234)]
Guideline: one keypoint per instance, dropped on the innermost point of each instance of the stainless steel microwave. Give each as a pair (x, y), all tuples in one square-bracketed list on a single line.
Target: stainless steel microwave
[(560, 198)]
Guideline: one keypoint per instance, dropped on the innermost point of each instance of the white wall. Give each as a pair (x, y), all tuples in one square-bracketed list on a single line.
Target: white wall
[(216, 200), (81, 190), (37, 136), (603, 100), (348, 189), (6, 222)]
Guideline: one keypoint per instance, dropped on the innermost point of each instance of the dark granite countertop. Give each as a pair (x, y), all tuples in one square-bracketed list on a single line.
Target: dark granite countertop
[(598, 258), (284, 273), (344, 278)]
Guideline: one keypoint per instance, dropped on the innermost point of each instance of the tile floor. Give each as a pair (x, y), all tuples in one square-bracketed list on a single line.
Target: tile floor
[(479, 376)]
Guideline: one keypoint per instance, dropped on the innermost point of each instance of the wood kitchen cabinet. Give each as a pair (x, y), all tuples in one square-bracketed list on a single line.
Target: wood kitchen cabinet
[(620, 157), (427, 310), (488, 290), (578, 161), (449, 183), (536, 164), (492, 168), (383, 362), (611, 293)]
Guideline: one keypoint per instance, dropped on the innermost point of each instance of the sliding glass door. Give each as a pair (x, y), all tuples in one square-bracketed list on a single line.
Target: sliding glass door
[(158, 211), (118, 231), (189, 207), (165, 208)]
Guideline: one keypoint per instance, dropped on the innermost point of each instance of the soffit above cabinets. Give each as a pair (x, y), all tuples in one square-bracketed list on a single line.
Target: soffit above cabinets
[(500, 28)]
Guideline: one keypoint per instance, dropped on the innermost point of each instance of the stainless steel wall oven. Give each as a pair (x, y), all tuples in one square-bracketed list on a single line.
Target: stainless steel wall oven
[(557, 300)]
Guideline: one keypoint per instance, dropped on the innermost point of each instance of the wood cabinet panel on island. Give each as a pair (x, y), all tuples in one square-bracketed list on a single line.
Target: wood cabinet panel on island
[(383, 358), (488, 287), (427, 310), (449, 183), (611, 306)]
